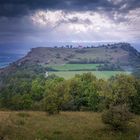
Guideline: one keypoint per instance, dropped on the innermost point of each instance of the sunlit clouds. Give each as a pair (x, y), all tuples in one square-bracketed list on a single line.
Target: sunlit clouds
[(90, 25)]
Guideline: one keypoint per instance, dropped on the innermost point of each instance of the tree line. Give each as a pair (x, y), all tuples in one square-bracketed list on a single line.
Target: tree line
[(83, 92)]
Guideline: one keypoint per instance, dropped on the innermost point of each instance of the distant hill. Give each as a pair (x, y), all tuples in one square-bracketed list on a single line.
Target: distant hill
[(119, 56), (121, 53)]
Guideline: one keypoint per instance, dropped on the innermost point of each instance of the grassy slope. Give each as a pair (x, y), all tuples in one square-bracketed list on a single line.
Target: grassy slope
[(54, 56), (98, 74), (66, 126)]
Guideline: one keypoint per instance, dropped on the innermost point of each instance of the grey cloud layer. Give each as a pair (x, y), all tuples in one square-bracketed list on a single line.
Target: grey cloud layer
[(12, 8), (113, 19)]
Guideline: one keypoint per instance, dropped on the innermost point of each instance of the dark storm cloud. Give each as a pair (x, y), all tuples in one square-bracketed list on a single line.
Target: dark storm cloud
[(12, 8)]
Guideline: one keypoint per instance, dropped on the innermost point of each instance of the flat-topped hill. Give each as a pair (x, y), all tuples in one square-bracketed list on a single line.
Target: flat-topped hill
[(111, 57), (121, 53)]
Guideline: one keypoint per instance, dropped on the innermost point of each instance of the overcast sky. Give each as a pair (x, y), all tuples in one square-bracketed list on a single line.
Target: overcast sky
[(41, 21)]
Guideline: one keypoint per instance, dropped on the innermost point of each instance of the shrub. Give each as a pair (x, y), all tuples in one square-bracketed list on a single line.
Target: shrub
[(51, 104), (134, 104), (117, 117)]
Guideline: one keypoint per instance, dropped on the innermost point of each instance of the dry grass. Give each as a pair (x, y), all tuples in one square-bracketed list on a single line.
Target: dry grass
[(65, 126)]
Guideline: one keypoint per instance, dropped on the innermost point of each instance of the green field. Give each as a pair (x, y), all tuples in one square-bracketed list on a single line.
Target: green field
[(64, 126), (68, 71), (98, 74), (72, 67)]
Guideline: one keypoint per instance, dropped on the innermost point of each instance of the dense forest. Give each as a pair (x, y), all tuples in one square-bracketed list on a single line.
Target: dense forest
[(83, 92)]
